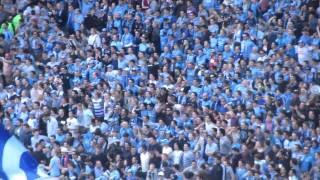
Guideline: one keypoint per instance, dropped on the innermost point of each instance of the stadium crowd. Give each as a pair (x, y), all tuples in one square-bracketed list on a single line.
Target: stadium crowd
[(164, 89)]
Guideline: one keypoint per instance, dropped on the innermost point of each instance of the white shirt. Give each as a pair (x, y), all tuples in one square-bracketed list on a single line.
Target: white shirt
[(33, 123), (145, 159), (303, 53), (94, 40), (72, 123), (26, 100), (93, 128), (209, 127), (176, 156), (293, 178), (166, 150), (52, 126), (35, 94)]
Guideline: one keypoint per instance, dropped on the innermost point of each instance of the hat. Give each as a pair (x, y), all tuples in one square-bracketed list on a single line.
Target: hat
[(126, 69), (10, 87), (64, 150), (236, 146), (164, 141), (114, 140)]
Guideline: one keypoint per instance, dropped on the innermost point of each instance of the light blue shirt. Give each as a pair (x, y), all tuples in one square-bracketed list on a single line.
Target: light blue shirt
[(55, 166), (115, 175)]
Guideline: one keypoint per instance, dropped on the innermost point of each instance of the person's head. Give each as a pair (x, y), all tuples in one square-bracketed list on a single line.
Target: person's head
[(152, 166), (218, 159), (194, 164), (36, 132), (98, 164), (306, 150), (210, 139), (186, 147), (143, 148), (71, 115), (54, 152), (70, 165), (153, 140)]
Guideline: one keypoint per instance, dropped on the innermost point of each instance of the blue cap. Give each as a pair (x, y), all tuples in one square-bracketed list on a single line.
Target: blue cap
[(164, 141), (236, 146)]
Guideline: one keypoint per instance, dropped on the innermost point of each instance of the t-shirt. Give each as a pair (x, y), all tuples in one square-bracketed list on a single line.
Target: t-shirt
[(72, 123), (176, 156), (55, 166), (303, 53), (145, 158)]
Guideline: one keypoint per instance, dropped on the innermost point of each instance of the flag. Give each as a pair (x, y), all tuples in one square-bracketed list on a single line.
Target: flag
[(16, 162)]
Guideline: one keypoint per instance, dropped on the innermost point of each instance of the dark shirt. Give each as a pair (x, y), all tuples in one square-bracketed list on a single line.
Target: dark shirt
[(39, 156), (217, 172)]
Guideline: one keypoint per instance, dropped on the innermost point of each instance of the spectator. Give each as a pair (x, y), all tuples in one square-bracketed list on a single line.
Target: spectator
[(163, 89)]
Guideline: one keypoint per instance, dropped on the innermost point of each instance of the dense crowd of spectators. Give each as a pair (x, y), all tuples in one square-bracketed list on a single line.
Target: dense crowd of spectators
[(164, 89)]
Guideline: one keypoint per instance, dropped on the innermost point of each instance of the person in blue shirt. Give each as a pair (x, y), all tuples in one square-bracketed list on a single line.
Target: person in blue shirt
[(198, 33), (151, 113), (197, 45), (201, 58), (306, 38), (86, 5), (182, 97), (55, 164), (143, 46), (221, 40), (127, 37), (246, 45), (122, 62), (209, 4), (166, 54), (69, 23), (125, 129), (205, 101), (117, 22), (227, 53), (60, 136), (120, 8), (176, 51), (306, 161), (114, 174), (7, 34), (116, 42), (128, 22), (77, 20), (286, 38)]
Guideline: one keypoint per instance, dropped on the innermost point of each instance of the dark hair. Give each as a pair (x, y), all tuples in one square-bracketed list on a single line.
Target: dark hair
[(188, 174)]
